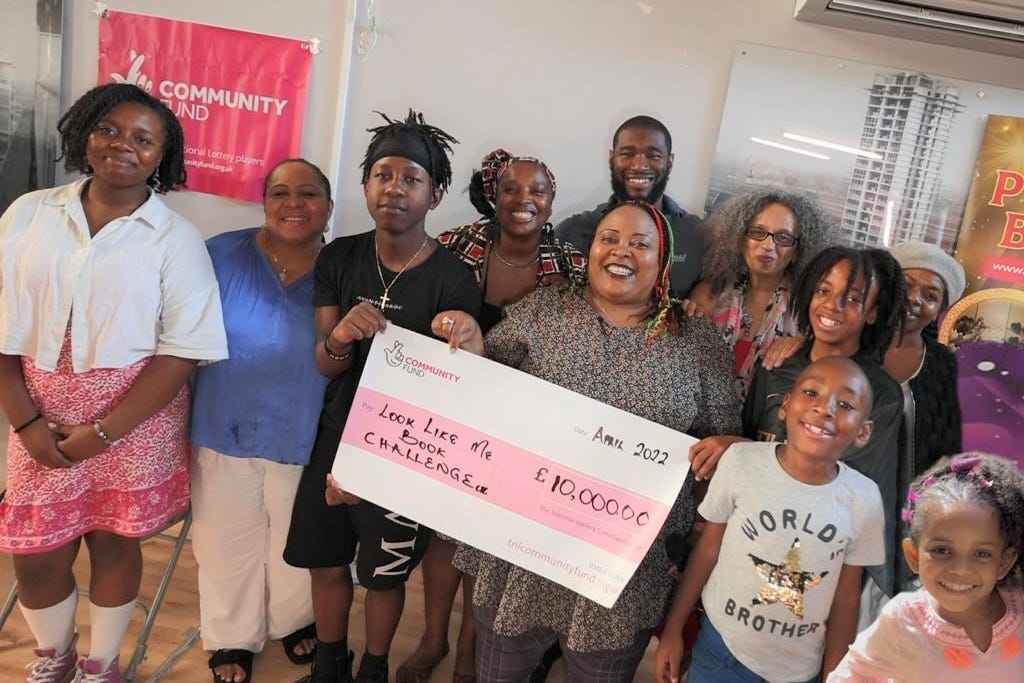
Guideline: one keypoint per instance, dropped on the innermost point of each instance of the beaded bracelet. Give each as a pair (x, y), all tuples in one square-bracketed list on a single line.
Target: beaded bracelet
[(98, 428), (31, 420), (335, 356)]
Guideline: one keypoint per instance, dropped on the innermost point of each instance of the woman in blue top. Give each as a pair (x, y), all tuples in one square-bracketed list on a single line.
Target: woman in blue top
[(253, 425)]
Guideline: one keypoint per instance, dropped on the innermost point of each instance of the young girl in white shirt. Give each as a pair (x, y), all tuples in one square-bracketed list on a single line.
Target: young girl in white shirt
[(966, 623), (107, 302)]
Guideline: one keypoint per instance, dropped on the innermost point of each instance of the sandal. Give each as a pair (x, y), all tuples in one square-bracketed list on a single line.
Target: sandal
[(418, 674), (242, 658), (294, 638)]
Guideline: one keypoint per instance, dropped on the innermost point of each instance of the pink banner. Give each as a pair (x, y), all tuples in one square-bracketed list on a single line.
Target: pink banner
[(240, 96), (532, 486)]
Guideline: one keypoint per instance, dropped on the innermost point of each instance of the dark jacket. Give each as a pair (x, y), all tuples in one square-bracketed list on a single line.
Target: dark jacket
[(687, 235)]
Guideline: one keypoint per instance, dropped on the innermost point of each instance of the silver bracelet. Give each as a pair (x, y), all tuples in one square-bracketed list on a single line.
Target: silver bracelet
[(98, 428)]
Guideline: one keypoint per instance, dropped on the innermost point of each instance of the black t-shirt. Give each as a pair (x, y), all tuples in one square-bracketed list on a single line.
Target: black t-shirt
[(346, 274)]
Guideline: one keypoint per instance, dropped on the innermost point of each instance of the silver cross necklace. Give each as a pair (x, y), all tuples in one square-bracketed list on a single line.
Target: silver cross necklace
[(382, 303)]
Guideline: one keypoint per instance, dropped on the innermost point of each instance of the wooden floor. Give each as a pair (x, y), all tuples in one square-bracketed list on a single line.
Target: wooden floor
[(181, 612)]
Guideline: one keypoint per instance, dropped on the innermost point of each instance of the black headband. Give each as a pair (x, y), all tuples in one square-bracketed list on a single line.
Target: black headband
[(405, 144)]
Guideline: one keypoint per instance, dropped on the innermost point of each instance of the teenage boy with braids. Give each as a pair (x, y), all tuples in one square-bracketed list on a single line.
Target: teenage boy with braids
[(640, 162), (394, 273)]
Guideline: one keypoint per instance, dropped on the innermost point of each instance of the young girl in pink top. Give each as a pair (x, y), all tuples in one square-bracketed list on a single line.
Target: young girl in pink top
[(967, 621)]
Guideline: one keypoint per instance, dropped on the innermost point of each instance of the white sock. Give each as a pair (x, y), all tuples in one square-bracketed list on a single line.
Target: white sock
[(53, 627), (108, 625)]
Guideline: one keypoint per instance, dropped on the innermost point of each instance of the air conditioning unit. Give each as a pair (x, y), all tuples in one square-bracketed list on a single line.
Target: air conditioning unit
[(985, 25)]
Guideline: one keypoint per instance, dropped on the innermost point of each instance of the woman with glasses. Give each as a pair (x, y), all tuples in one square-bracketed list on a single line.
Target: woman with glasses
[(759, 240)]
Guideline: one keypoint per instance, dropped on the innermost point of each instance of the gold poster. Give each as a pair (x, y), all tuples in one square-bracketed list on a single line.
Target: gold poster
[(986, 327)]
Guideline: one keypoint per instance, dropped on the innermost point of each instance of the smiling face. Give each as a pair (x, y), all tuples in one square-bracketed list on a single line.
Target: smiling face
[(765, 258), (839, 310), (828, 409), (640, 164), (296, 206), (125, 146), (624, 260), (523, 199), (399, 192), (925, 294), (960, 555)]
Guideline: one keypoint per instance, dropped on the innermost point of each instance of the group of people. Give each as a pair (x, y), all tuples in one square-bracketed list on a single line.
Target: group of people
[(808, 370)]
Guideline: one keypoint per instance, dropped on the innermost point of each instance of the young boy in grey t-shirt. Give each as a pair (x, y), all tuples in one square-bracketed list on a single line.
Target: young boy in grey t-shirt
[(789, 531)]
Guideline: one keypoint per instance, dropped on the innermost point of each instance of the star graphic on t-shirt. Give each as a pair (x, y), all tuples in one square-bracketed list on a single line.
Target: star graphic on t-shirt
[(785, 583)]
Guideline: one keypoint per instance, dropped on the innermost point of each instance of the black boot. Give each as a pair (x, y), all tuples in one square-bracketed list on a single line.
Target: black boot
[(373, 669), (333, 664)]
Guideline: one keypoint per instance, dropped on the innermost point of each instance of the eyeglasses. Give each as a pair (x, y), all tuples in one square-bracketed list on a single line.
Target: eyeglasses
[(783, 239)]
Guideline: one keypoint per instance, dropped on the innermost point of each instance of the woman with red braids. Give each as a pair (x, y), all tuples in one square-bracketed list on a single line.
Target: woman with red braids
[(631, 347)]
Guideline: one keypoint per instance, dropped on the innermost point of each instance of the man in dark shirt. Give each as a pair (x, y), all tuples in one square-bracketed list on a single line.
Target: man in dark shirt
[(640, 161)]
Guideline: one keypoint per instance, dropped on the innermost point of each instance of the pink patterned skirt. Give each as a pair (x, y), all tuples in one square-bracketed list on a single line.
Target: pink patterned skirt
[(131, 489)]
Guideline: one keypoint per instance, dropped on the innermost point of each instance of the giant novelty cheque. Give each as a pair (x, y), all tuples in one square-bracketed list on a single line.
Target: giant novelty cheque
[(557, 483)]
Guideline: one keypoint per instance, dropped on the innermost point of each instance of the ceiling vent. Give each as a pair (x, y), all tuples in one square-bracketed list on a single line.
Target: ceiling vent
[(985, 25)]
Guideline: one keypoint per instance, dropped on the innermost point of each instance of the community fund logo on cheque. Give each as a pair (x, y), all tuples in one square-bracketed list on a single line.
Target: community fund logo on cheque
[(396, 358)]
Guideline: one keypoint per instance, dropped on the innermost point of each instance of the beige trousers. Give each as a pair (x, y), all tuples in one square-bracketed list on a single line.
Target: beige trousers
[(241, 509)]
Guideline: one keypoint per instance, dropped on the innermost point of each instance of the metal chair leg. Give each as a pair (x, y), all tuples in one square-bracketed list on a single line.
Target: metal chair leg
[(153, 609), (8, 607)]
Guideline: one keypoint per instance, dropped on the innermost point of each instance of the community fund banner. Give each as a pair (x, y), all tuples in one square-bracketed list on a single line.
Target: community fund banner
[(560, 484), (986, 327), (240, 96)]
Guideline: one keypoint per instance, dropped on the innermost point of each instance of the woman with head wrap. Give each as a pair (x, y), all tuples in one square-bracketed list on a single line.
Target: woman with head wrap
[(925, 369), (511, 251), (620, 339)]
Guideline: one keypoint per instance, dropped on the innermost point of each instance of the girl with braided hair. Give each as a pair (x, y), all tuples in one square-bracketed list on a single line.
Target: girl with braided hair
[(108, 301), (511, 251), (622, 339), (966, 623), (394, 273)]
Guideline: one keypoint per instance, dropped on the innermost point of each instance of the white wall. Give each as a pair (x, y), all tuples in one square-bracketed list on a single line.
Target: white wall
[(551, 78)]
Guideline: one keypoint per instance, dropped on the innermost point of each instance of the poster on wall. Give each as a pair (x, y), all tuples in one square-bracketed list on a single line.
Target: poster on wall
[(888, 151), (986, 327), (240, 96), (30, 50)]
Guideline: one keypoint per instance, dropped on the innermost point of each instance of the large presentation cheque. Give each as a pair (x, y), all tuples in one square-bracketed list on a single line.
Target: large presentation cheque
[(554, 482)]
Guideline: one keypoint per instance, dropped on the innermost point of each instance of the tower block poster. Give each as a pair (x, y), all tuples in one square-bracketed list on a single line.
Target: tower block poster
[(986, 327), (240, 97)]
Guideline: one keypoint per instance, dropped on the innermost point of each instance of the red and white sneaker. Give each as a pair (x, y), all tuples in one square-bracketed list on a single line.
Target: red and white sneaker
[(92, 671), (50, 667)]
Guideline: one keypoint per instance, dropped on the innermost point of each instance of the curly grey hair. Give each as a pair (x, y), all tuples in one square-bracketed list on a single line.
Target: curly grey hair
[(724, 266)]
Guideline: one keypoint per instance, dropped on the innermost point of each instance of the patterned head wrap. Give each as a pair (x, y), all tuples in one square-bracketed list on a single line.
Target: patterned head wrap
[(497, 162)]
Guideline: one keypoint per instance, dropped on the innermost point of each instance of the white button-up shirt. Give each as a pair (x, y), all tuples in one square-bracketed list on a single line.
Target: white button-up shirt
[(142, 286)]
